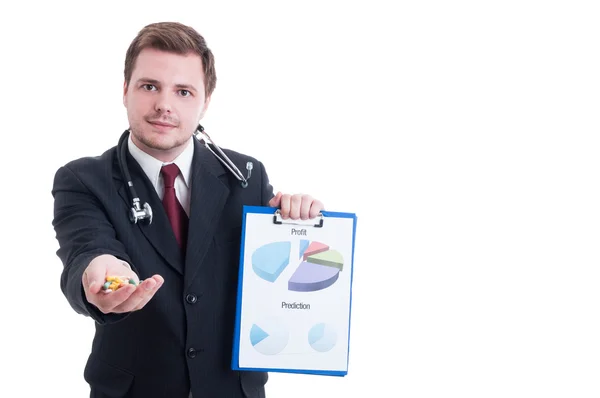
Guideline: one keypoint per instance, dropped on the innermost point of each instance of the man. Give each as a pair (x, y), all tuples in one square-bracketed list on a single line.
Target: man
[(171, 335)]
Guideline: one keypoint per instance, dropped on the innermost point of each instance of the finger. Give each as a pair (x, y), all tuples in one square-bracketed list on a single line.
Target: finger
[(107, 301), (275, 200), (315, 208), (144, 292), (84, 280), (144, 289), (296, 202), (158, 279), (284, 206), (305, 205), (145, 301)]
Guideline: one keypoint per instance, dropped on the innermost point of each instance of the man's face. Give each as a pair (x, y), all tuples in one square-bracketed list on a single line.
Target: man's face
[(165, 100)]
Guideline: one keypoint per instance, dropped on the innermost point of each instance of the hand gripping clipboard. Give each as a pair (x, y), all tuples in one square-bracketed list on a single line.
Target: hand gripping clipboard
[(294, 293), (278, 220)]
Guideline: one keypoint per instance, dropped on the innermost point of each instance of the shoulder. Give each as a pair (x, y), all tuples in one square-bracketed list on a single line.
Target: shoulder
[(239, 156), (245, 162), (88, 168), (250, 166)]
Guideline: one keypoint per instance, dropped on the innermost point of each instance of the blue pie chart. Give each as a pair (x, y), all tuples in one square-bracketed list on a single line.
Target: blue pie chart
[(269, 336), (322, 337)]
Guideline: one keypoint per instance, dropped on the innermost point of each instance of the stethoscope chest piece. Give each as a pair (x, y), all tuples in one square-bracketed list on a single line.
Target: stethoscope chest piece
[(136, 213)]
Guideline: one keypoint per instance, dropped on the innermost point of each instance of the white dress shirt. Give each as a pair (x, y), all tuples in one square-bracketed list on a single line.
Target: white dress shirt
[(152, 166), (183, 182)]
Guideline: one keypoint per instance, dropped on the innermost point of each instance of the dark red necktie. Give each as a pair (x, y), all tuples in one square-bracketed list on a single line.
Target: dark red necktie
[(177, 216)]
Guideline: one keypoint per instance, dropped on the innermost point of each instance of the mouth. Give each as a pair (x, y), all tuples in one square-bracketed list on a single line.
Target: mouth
[(160, 124), (162, 127)]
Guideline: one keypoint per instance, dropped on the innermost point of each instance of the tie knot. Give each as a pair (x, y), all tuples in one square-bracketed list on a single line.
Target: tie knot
[(169, 173)]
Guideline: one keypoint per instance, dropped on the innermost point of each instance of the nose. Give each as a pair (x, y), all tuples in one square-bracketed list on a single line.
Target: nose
[(163, 104)]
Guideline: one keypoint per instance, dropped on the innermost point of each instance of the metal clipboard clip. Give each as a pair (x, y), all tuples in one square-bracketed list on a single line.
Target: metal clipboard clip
[(278, 220)]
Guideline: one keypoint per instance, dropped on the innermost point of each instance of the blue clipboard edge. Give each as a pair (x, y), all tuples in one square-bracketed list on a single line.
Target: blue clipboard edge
[(235, 365)]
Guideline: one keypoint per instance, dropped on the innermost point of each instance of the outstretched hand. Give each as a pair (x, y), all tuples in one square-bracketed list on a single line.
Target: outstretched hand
[(125, 299), (296, 206)]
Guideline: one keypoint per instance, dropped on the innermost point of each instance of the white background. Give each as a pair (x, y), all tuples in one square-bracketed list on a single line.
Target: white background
[(467, 130)]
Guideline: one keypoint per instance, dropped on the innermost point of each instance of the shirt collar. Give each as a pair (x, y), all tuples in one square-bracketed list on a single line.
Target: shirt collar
[(152, 166)]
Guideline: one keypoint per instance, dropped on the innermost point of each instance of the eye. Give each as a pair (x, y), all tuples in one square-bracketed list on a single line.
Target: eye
[(185, 93), (149, 87)]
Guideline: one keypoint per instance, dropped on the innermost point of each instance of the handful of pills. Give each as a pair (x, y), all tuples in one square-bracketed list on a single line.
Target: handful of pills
[(116, 282)]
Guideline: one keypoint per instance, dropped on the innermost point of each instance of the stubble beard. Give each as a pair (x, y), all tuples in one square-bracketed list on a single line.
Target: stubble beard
[(148, 138)]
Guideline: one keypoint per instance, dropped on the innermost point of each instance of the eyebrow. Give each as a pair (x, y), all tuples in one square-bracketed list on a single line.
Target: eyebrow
[(156, 82)]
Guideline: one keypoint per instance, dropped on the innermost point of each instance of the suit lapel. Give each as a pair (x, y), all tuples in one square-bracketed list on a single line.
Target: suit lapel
[(208, 197), (159, 233)]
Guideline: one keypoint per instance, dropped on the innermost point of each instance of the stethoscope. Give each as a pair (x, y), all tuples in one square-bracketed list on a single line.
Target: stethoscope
[(139, 212)]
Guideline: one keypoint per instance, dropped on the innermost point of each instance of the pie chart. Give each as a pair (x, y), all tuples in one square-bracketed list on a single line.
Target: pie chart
[(317, 266), (269, 260), (322, 337), (269, 336)]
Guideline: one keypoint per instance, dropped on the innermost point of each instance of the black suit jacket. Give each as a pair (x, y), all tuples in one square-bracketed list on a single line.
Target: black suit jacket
[(182, 339)]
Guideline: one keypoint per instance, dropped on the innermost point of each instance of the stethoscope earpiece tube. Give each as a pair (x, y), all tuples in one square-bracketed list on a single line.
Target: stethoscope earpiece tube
[(224, 158), (137, 212)]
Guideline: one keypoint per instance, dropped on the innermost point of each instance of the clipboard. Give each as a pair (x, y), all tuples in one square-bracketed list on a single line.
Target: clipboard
[(294, 293)]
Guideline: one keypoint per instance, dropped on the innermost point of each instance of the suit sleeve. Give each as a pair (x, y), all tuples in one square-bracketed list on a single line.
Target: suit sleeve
[(83, 233), (266, 187)]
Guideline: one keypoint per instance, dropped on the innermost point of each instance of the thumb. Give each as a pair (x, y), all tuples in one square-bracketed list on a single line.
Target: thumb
[(275, 200), (93, 278)]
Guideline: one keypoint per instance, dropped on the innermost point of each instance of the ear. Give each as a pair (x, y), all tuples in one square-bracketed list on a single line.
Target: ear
[(205, 107), (125, 94)]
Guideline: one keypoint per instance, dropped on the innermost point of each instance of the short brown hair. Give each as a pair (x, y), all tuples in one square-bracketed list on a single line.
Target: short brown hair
[(176, 38)]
